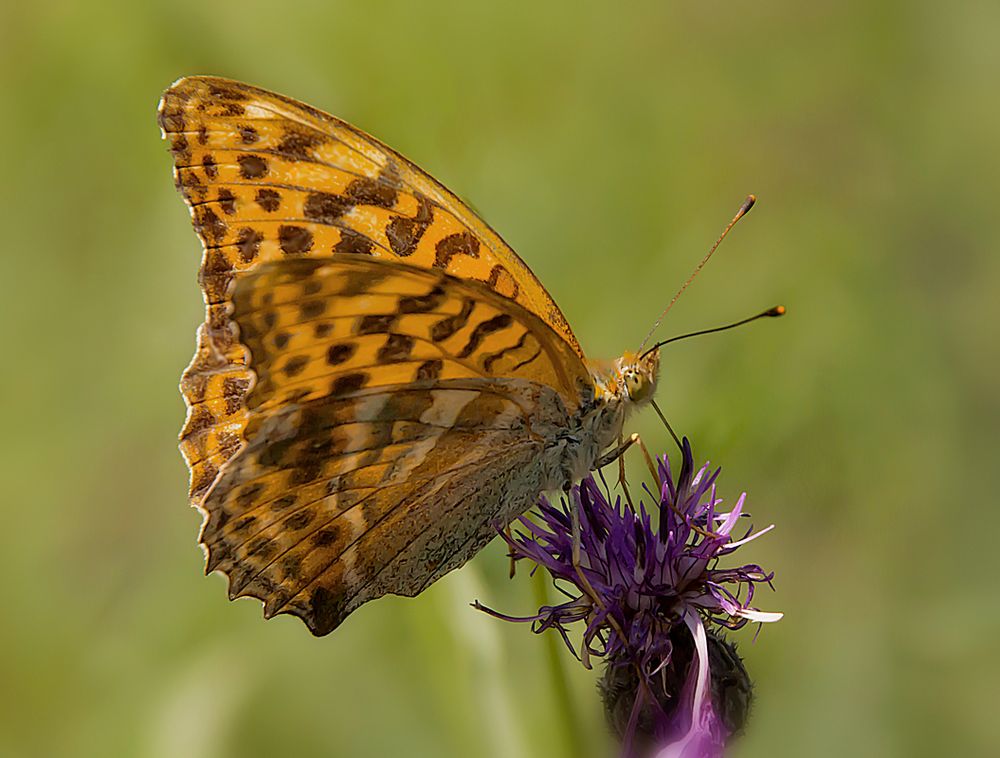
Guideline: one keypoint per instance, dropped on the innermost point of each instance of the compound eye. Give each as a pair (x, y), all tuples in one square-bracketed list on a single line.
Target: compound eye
[(634, 385)]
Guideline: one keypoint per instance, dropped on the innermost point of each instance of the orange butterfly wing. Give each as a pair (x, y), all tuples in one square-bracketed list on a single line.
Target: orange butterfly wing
[(399, 414), (266, 178)]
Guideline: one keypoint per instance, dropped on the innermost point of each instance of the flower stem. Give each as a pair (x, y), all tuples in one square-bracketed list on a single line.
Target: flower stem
[(554, 652)]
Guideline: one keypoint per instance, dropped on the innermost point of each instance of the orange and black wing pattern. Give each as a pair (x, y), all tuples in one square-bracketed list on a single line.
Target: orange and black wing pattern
[(398, 416), (268, 178)]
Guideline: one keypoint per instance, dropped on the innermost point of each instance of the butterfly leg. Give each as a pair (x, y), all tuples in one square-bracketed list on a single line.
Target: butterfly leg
[(513, 563), (649, 462), (619, 453)]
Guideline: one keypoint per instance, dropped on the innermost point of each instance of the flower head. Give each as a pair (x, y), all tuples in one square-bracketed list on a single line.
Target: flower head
[(653, 601)]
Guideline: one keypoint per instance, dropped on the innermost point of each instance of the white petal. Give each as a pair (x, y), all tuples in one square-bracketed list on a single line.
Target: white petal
[(748, 538), (764, 617)]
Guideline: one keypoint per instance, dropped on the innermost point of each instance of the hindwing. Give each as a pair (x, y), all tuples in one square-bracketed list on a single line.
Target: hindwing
[(397, 416), (339, 500)]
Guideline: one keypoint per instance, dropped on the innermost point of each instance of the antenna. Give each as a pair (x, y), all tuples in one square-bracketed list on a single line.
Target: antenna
[(744, 209), (778, 310)]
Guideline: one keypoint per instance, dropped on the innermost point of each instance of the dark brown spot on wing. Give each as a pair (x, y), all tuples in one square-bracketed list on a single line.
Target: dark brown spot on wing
[(268, 199), (201, 419), (227, 201), (284, 503), (216, 262), (446, 327), (324, 207), (215, 276), (248, 241), (211, 170), (460, 243), (234, 389), (252, 166), (311, 309), (248, 135), (228, 444), (225, 92), (353, 243), (376, 324), (261, 548), (249, 495), (483, 330), (291, 566), (300, 520), (294, 240), (295, 365), (306, 471), (211, 227), (244, 524), (298, 145), (423, 303), (190, 185), (326, 536), (337, 354), (181, 150), (429, 370), (348, 383), (276, 453), (396, 349), (367, 191), (404, 233)]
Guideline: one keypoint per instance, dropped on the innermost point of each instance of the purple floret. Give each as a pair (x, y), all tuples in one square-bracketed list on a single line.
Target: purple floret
[(660, 601)]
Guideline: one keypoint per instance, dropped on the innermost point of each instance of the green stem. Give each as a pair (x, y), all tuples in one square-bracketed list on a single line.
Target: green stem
[(557, 673)]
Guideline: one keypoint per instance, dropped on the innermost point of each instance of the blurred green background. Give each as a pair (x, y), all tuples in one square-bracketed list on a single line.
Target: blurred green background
[(609, 147)]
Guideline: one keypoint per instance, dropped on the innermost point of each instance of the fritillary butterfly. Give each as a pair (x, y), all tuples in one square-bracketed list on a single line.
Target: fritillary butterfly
[(380, 380)]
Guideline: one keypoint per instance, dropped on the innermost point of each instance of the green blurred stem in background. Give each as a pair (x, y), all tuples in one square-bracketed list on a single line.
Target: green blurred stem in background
[(555, 653)]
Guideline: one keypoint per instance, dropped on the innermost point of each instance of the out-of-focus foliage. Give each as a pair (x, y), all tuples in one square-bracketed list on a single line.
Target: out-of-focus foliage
[(608, 143)]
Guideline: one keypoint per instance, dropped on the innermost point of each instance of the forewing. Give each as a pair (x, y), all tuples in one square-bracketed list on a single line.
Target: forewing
[(268, 177)]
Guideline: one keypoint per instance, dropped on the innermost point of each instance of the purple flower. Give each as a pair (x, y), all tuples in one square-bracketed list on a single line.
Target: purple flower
[(653, 601)]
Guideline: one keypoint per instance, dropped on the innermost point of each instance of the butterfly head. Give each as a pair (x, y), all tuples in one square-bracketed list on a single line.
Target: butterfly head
[(636, 377)]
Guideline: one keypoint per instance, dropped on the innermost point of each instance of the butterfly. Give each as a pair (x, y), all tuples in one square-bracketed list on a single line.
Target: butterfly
[(380, 382)]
